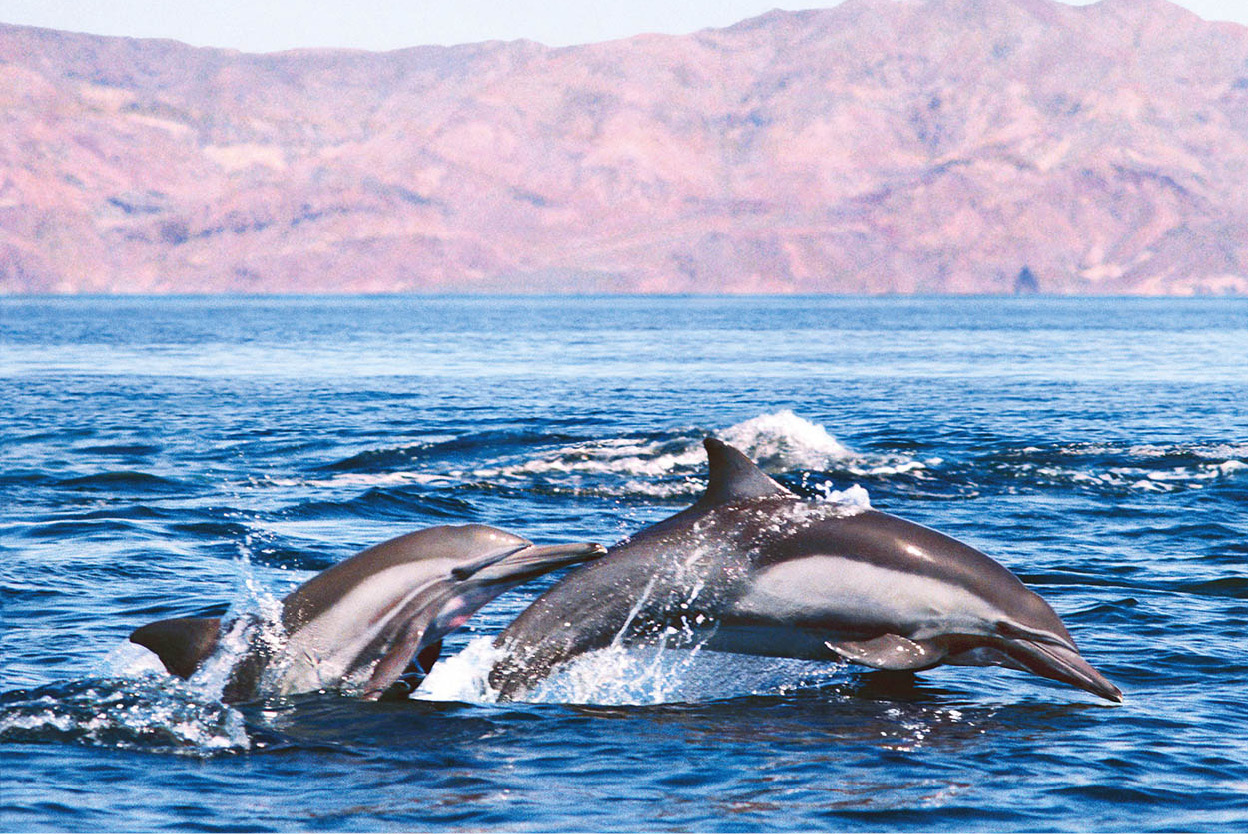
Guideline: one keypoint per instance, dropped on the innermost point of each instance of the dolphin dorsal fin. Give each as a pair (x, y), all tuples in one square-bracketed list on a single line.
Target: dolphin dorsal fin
[(733, 476)]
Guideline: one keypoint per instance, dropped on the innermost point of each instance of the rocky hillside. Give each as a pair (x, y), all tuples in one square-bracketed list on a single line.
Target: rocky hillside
[(879, 146)]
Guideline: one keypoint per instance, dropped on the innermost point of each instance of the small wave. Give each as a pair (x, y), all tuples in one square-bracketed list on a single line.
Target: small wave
[(393, 503), (124, 482), (784, 441), (669, 466), (439, 446), (25, 478), (373, 460), (223, 530), (82, 529), (123, 449), (1235, 587), (355, 479)]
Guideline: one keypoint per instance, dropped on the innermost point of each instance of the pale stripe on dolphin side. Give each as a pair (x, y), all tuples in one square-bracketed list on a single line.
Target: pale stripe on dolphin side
[(863, 597)]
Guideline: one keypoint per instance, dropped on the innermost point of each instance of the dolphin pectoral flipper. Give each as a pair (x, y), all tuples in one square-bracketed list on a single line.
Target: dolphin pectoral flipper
[(415, 673), (428, 656), (424, 626), (888, 651)]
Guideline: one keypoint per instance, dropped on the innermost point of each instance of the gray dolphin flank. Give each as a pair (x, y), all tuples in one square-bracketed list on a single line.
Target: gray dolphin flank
[(752, 568), (366, 618)]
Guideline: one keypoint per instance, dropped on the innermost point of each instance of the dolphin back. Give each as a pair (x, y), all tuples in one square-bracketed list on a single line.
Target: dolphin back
[(455, 550)]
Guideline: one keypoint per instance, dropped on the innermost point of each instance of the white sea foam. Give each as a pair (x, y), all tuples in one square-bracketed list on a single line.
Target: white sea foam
[(355, 479), (779, 442), (1213, 462), (855, 497), (785, 441), (140, 708), (463, 677)]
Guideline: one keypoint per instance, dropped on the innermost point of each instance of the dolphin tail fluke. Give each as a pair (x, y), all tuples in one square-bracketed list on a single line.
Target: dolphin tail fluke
[(182, 643), (1063, 664)]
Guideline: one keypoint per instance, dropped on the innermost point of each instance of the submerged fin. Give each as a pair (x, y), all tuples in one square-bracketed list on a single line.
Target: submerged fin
[(733, 476), (181, 643), (414, 674), (888, 651), (403, 653), (428, 656)]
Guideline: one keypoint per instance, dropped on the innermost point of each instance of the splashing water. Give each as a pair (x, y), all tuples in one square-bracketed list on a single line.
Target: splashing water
[(634, 675), (855, 497), (784, 441), (152, 712), (1117, 468), (679, 669)]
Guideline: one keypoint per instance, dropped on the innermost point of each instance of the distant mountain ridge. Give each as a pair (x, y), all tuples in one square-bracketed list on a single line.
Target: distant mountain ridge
[(881, 146)]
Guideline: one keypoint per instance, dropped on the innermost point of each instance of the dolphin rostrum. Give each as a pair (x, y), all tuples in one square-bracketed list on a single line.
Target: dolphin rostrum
[(365, 619), (752, 568)]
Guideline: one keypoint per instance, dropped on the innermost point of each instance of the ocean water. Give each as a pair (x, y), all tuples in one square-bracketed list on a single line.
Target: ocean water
[(188, 456)]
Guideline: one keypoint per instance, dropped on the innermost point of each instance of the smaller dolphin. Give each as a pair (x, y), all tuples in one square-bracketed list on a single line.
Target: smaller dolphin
[(368, 617), (752, 568)]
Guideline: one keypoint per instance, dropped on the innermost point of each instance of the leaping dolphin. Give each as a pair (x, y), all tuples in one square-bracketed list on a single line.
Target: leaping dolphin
[(752, 568), (366, 618)]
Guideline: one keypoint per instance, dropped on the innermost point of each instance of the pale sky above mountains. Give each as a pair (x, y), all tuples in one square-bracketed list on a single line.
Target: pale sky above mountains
[(274, 25)]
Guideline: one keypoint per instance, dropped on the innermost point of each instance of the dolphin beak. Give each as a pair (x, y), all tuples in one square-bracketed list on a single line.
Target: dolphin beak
[(533, 561), (1063, 664)]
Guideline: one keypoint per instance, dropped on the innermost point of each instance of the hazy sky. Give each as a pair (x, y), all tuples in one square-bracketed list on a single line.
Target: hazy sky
[(268, 25)]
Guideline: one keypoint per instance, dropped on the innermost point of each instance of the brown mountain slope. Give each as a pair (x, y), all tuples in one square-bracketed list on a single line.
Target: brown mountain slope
[(880, 146)]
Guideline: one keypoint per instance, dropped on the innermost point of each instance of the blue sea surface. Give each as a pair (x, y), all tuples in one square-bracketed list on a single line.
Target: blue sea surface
[(192, 456)]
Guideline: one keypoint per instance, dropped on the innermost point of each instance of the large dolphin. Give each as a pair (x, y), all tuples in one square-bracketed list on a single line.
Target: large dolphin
[(754, 569), (365, 619)]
